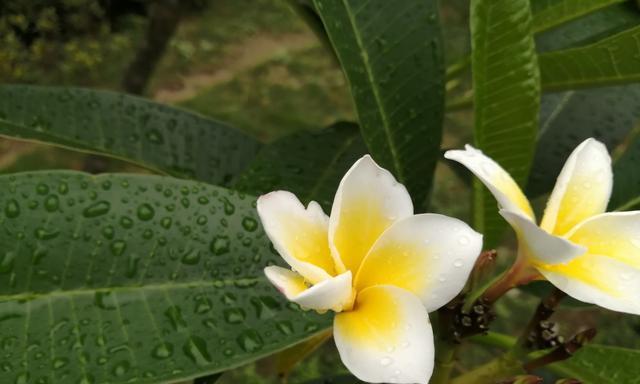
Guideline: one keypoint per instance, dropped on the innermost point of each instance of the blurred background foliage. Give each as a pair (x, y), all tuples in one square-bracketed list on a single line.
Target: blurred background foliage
[(252, 63)]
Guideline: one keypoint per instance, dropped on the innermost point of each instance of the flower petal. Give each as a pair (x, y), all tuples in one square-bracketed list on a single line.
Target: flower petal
[(289, 283), (614, 234), (540, 245), (599, 280), (430, 255), (368, 201), (387, 337), (298, 234), (498, 181), (582, 190), (335, 294)]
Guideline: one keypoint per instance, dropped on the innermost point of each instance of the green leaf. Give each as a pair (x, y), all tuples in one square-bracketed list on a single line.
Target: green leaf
[(392, 55), (308, 164), (155, 136), (548, 14), (600, 364), (506, 97), (611, 61), (626, 186), (138, 279), (590, 28), (566, 119)]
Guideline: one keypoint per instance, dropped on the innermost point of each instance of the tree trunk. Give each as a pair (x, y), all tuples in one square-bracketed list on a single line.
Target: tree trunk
[(164, 17)]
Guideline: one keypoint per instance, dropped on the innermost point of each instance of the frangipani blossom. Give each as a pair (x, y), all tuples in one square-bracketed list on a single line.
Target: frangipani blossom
[(591, 255), (378, 265)]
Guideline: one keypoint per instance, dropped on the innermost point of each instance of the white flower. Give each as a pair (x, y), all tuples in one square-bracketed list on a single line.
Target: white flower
[(377, 264), (591, 255)]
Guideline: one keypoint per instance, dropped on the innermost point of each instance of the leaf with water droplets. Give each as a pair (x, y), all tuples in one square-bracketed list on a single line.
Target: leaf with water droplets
[(130, 285), (155, 136), (310, 165), (392, 55)]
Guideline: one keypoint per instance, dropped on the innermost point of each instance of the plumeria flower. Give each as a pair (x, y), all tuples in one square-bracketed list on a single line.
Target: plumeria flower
[(591, 255), (376, 264)]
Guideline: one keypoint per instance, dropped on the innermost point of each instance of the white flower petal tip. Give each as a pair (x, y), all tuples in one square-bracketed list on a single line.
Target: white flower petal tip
[(540, 245), (286, 281), (367, 202), (386, 338), (582, 189), (299, 234), (505, 190), (429, 255), (334, 294)]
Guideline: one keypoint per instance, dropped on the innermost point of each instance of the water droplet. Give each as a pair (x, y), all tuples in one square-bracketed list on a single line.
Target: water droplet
[(250, 341), (386, 361), (42, 189), (162, 351), (22, 378), (6, 265), (132, 265), (285, 327), (97, 209), (117, 247), (249, 224), (191, 257), (203, 305), (51, 203), (145, 212), (12, 209), (155, 136), (121, 368), (265, 306), (126, 222), (458, 263), (44, 234), (108, 232), (87, 379), (463, 240), (196, 349), (165, 222), (60, 362), (234, 315), (104, 300), (174, 313), (229, 208), (220, 245)]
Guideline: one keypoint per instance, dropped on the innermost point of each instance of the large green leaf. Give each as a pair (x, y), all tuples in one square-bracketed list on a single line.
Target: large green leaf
[(608, 62), (308, 164), (392, 55), (506, 96), (590, 28), (137, 279), (158, 137), (626, 186), (566, 119), (600, 364), (551, 13)]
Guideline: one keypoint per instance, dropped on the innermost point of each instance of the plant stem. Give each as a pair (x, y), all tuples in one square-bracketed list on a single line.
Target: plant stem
[(520, 273), (502, 367), (543, 312), (445, 359)]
